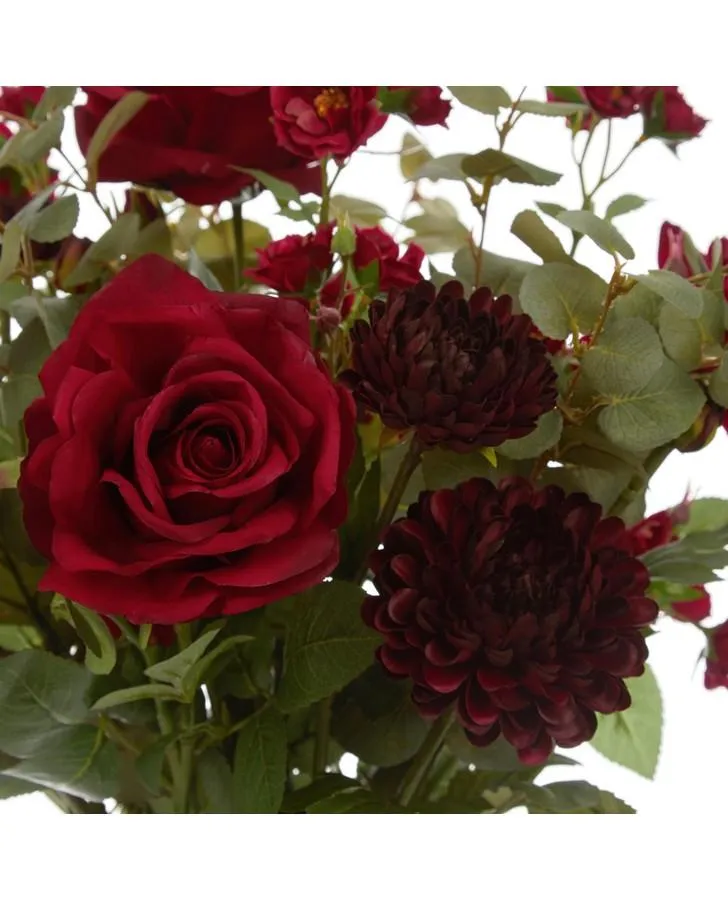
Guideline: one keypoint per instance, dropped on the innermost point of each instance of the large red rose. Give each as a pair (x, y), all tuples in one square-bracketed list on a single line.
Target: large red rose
[(315, 122), (188, 457), (189, 139), (20, 101)]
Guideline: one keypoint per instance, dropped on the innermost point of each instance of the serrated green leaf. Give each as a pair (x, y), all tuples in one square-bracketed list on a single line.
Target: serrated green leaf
[(675, 290), (659, 412), (625, 204), (283, 191), (37, 143), (29, 350), (627, 354), (497, 164), (195, 675), (602, 232), (120, 114), (361, 212), (412, 156), (551, 209), (447, 168), (501, 274), (488, 100), (214, 782), (570, 797), (632, 738), (542, 438), (173, 670), (436, 234), (562, 298), (55, 221), (14, 787), (136, 693), (553, 108), (328, 644), (529, 228), (259, 770), (323, 787), (114, 243), (706, 514)]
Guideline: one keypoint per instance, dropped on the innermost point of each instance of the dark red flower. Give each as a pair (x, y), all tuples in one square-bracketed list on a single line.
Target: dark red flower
[(668, 116), (374, 244), (188, 457), (421, 105), (332, 296), (314, 122), (464, 374), (581, 121), (518, 605), (295, 264), (20, 101), (677, 253), (192, 140), (613, 102), (716, 669)]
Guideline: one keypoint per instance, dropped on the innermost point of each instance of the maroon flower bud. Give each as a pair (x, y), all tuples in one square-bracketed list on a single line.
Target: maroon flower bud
[(695, 609), (20, 101), (518, 605), (421, 105), (374, 244), (716, 670), (671, 251), (668, 116), (613, 102), (464, 374), (295, 264), (314, 122)]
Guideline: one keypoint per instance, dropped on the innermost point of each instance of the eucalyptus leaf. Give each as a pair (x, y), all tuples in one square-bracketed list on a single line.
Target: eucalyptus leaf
[(55, 221), (488, 100), (412, 156), (627, 354), (542, 438), (675, 290), (530, 228), (602, 232), (562, 298)]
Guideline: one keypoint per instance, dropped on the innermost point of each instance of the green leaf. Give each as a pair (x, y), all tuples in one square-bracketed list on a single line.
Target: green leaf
[(195, 675), (551, 209), (627, 354), (40, 696), (551, 108), (55, 221), (569, 797), (357, 801), (12, 238), (718, 384), (174, 669), (529, 228), (153, 238), (499, 756), (30, 349), (16, 395), (448, 168), (259, 770), (149, 765), (325, 786), (654, 414), (53, 98), (76, 760), (136, 693), (688, 340), (374, 718), (497, 164), (625, 204), (100, 655), (706, 514), (14, 787), (602, 232), (412, 156), (283, 191), (543, 437), (57, 315), (562, 298), (639, 303), (196, 267), (446, 469), (115, 119), (328, 644), (675, 290), (33, 145), (114, 243), (9, 473), (360, 212), (214, 783), (501, 274), (437, 234), (632, 738), (488, 100)]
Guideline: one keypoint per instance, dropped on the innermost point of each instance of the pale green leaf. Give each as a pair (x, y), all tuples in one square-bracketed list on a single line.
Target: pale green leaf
[(563, 298), (115, 119), (488, 100), (627, 354), (602, 232)]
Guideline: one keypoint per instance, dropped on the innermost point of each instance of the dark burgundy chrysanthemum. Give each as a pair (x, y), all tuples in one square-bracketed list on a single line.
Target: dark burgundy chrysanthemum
[(464, 374), (519, 605)]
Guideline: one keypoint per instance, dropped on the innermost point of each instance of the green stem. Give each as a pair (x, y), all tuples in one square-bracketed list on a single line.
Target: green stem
[(423, 759), (405, 471), (239, 239), (638, 482), (4, 326), (183, 776), (325, 191)]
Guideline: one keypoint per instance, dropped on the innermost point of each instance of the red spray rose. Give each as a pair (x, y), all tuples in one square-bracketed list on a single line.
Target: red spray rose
[(517, 605), (19, 101), (668, 116), (188, 456), (613, 102), (295, 263), (716, 669), (394, 271), (188, 139), (672, 254), (421, 105), (314, 122)]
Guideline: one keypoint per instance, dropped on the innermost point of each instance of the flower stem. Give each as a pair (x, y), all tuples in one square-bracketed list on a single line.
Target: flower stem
[(638, 482), (424, 757), (325, 191), (239, 238)]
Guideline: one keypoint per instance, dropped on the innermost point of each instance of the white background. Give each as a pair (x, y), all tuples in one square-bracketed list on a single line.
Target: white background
[(690, 191)]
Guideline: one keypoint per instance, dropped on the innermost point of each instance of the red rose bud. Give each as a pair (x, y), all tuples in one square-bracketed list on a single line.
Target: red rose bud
[(192, 141), (374, 244), (464, 374), (295, 264), (421, 105), (613, 102), (314, 122), (695, 609), (203, 470), (516, 605), (20, 101), (669, 117), (332, 296), (716, 669), (671, 251)]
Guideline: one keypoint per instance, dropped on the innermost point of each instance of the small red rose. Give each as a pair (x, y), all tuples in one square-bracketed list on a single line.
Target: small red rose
[(669, 116), (613, 102), (188, 456), (295, 264), (395, 271), (421, 105), (716, 670), (314, 122)]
